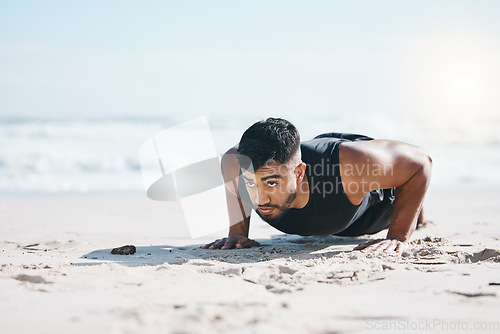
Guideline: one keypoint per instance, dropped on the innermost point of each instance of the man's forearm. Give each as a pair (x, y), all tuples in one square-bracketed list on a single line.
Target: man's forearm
[(240, 228), (239, 221), (408, 203)]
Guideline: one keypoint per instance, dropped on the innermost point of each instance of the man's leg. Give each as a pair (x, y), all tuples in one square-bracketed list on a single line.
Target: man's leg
[(421, 222)]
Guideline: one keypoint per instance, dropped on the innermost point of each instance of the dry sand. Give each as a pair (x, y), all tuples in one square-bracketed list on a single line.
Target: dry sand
[(57, 274)]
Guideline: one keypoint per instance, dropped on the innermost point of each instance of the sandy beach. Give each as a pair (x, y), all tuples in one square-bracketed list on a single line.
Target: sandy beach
[(104, 103), (57, 274)]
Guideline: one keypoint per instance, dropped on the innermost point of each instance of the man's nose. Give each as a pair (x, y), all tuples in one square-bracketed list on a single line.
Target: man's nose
[(262, 197)]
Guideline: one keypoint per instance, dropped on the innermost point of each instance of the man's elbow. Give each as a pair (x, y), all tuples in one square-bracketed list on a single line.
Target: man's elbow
[(425, 163), (427, 159), (416, 160)]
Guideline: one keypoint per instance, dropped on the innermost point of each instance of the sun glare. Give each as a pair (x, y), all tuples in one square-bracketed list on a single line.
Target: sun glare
[(451, 79), (463, 85)]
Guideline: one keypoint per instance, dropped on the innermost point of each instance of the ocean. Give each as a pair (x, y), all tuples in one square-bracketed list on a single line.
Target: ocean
[(101, 155)]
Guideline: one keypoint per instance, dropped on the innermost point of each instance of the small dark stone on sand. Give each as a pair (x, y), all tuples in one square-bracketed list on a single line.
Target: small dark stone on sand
[(124, 250)]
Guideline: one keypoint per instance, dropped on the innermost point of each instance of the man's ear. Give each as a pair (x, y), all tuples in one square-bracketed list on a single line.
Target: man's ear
[(300, 171)]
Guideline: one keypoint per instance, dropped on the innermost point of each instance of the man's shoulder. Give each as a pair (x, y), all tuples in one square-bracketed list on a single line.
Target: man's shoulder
[(342, 136), (326, 145), (320, 149)]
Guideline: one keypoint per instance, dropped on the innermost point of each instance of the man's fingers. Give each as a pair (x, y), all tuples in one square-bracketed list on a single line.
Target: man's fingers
[(208, 245), (366, 244), (361, 246), (382, 245), (229, 243), (371, 248), (245, 243), (218, 244), (400, 247), (390, 246), (376, 246), (395, 246)]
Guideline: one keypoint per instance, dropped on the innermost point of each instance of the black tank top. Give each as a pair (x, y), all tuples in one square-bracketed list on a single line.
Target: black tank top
[(328, 210)]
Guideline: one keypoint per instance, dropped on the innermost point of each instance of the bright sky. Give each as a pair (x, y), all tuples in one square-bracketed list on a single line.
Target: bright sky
[(434, 60)]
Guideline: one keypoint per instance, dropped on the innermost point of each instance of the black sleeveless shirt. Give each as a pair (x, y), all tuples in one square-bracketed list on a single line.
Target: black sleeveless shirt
[(328, 210)]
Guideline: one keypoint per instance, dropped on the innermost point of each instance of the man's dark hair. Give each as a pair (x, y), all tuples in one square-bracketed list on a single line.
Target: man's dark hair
[(274, 139)]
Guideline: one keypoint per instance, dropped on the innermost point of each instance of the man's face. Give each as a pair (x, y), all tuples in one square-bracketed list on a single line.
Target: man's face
[(272, 189)]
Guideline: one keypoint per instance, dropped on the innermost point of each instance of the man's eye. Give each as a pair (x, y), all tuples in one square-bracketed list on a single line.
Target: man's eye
[(250, 184), (272, 184)]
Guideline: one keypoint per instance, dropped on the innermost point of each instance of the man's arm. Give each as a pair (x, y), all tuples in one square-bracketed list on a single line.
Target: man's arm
[(381, 164), (239, 211)]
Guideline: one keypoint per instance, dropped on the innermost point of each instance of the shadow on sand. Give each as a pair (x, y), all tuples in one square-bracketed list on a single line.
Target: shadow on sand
[(278, 246)]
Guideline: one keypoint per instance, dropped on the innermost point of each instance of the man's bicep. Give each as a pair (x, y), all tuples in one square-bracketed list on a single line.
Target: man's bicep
[(230, 170)]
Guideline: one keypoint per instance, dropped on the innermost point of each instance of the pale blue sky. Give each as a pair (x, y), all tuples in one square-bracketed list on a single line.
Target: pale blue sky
[(430, 60)]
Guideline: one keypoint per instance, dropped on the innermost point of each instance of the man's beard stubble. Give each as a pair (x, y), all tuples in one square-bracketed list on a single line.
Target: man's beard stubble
[(284, 208)]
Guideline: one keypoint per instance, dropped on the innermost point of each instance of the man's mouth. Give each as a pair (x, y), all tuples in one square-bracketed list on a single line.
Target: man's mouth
[(266, 211)]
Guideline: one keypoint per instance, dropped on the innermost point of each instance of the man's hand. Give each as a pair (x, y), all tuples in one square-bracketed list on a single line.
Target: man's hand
[(238, 240), (382, 245)]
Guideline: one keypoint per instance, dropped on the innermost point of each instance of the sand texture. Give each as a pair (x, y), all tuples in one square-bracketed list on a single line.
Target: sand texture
[(57, 273)]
